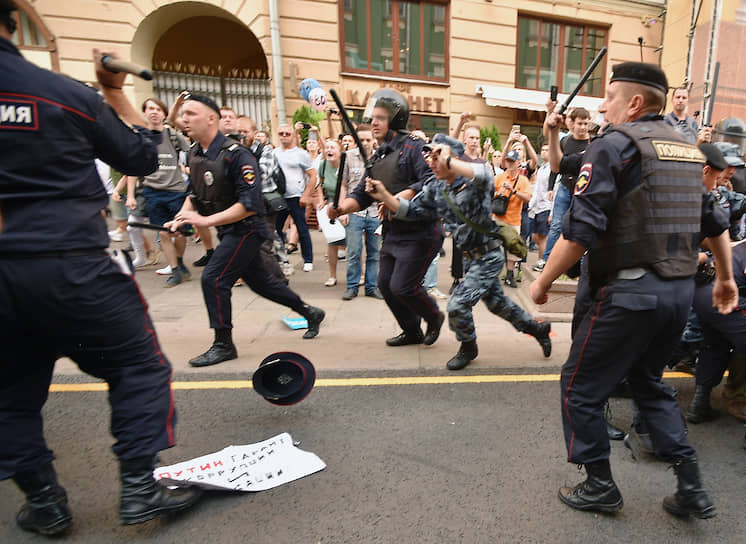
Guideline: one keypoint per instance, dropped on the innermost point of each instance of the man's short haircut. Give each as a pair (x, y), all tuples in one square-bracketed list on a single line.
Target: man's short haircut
[(653, 97), (157, 102), (252, 123), (579, 113), (682, 88), (228, 108), (363, 127)]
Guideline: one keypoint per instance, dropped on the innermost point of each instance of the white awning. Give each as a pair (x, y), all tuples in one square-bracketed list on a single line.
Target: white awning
[(527, 99)]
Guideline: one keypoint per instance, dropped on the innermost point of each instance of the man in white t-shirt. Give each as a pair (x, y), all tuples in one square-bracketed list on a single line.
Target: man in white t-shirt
[(299, 173)]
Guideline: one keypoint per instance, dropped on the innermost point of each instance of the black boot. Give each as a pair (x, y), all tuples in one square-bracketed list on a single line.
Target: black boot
[(466, 354), (510, 280), (597, 492), (700, 410), (690, 498), (406, 339), (314, 316), (541, 331), (218, 352), (46, 510), (144, 499), (433, 330)]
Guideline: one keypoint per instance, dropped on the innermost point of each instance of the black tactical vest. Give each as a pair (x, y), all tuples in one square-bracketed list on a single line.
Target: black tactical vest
[(385, 166), (213, 191), (656, 224)]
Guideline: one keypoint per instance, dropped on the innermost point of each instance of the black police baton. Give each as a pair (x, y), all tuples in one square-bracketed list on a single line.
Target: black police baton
[(340, 173), (116, 66), (350, 127), (185, 230), (582, 81)]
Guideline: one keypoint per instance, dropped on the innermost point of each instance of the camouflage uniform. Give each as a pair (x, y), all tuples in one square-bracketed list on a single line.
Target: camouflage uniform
[(481, 280)]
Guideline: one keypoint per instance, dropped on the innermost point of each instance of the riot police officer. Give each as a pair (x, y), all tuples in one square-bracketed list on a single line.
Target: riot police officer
[(636, 208), (408, 247), (62, 294), (462, 195), (226, 192)]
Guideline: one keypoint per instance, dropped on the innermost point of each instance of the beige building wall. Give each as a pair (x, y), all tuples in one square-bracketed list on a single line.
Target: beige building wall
[(482, 42)]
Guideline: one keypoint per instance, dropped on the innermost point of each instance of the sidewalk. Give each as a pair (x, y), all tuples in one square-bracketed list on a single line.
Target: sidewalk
[(353, 333)]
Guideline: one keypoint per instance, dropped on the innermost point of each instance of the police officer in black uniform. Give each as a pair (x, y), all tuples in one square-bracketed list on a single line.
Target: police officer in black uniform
[(636, 208), (226, 192), (62, 294), (408, 247)]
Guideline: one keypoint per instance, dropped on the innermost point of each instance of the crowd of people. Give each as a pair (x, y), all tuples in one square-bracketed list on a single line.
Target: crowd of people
[(641, 210)]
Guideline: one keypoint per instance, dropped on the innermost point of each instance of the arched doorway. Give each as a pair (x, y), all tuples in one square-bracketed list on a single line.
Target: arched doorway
[(216, 57), (199, 47)]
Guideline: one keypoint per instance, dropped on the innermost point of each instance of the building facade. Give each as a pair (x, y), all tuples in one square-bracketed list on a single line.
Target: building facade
[(495, 58)]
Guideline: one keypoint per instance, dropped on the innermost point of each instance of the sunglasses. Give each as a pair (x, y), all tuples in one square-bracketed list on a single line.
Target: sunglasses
[(284, 133)]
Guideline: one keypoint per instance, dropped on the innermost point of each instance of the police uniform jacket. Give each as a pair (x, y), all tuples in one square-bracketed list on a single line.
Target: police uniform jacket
[(55, 204), (412, 172), (228, 160), (611, 170), (472, 197)]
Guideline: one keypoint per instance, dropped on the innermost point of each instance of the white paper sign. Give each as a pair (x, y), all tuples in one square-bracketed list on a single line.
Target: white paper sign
[(253, 467), (332, 232)]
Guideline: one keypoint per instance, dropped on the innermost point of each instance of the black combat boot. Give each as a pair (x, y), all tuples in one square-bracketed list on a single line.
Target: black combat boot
[(690, 498), (222, 349), (597, 492), (144, 499), (466, 354), (541, 331), (314, 316), (433, 330), (700, 410), (46, 510)]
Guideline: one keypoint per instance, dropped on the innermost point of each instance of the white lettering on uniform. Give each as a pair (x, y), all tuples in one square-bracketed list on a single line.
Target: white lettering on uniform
[(7, 114), (23, 114)]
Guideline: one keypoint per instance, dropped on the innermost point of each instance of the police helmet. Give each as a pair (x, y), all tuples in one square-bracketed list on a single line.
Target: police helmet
[(284, 378), (730, 129), (392, 102), (731, 153)]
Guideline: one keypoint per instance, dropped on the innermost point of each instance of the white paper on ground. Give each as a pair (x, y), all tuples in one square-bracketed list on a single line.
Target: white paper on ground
[(252, 467)]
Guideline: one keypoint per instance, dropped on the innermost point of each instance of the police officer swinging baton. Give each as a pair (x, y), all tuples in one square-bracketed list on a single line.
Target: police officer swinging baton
[(582, 81), (117, 66), (184, 230)]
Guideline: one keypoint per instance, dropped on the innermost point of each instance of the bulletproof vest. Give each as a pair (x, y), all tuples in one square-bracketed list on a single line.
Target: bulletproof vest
[(213, 191), (656, 223), (385, 166)]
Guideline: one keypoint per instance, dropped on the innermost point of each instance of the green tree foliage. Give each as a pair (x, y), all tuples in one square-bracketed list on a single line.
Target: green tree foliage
[(306, 114), (493, 133)]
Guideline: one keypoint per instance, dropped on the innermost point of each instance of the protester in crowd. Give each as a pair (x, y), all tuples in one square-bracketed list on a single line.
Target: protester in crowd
[(540, 205), (327, 174)]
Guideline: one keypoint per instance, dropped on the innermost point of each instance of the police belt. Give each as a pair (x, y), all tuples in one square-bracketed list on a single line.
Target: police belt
[(477, 253), (53, 254), (245, 222)]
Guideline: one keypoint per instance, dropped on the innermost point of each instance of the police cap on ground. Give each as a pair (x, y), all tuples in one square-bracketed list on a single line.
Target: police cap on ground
[(713, 157), (457, 147), (284, 378), (642, 73), (206, 100), (731, 152)]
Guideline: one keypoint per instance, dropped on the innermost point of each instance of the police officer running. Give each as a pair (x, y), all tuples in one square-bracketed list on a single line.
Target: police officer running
[(227, 194), (461, 193), (62, 294), (636, 209), (408, 247)]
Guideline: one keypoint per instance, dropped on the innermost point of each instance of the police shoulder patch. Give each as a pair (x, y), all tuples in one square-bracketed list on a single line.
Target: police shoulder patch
[(584, 178), (247, 172), (18, 114)]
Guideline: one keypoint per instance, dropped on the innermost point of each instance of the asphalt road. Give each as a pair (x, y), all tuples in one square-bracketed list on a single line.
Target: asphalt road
[(432, 463)]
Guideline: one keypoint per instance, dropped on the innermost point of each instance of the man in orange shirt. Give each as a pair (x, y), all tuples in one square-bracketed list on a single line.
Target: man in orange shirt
[(518, 190)]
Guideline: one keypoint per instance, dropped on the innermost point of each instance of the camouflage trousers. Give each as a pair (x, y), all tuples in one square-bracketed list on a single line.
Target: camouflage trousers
[(482, 281)]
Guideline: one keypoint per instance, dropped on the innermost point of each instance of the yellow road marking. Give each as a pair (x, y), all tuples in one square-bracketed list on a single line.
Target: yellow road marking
[(346, 382)]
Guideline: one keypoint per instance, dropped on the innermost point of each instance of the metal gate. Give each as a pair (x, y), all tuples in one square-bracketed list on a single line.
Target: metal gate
[(251, 97)]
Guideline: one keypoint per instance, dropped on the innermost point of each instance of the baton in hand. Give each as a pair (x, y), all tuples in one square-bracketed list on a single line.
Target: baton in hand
[(185, 230), (116, 66), (582, 81)]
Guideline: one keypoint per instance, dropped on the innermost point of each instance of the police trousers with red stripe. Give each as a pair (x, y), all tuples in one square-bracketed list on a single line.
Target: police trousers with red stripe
[(629, 330), (237, 256), (83, 307)]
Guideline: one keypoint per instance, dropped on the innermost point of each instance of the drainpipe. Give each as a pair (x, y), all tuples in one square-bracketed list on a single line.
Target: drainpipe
[(711, 53), (278, 79), (696, 8)]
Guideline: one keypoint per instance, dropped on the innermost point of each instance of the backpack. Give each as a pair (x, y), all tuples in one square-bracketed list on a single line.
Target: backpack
[(278, 176)]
